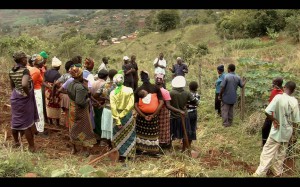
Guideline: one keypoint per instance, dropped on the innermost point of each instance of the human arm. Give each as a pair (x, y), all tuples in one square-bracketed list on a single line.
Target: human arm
[(114, 111), (270, 109), (223, 84), (12, 84), (129, 105), (172, 69), (25, 81), (170, 107)]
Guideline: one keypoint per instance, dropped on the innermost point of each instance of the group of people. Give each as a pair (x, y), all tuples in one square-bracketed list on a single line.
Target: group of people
[(282, 116), (108, 108)]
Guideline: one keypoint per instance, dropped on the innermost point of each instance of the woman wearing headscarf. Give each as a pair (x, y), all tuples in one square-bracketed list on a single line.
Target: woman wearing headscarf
[(221, 77), (180, 98), (122, 102), (147, 127), (80, 126), (37, 78), (52, 95), (164, 114), (23, 104), (87, 72)]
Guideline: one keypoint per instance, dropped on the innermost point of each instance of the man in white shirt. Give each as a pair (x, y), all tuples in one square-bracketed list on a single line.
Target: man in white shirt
[(160, 65), (104, 63), (285, 117)]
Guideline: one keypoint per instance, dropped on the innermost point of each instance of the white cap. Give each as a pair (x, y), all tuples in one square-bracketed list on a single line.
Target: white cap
[(125, 58), (178, 58), (56, 62), (178, 82)]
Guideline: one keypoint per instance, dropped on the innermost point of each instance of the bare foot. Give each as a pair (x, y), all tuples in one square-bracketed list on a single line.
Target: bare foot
[(74, 151)]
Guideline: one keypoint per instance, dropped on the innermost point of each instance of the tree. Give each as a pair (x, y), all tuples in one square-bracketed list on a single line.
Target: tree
[(106, 34), (132, 23), (293, 27), (168, 20)]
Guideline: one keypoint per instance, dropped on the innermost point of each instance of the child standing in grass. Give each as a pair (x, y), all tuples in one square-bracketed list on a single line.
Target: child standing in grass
[(192, 109)]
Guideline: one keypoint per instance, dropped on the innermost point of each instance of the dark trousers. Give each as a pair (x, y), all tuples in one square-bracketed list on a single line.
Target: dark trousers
[(227, 114), (44, 104), (218, 104), (266, 130)]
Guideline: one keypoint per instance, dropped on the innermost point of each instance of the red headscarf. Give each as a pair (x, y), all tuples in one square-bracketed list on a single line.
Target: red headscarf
[(89, 63)]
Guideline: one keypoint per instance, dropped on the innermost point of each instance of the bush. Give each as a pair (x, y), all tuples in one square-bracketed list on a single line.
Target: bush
[(249, 43), (168, 20)]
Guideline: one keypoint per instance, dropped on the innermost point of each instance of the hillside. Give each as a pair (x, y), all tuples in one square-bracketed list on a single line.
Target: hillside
[(224, 152)]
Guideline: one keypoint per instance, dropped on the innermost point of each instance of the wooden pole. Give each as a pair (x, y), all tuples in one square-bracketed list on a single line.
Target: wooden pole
[(199, 77), (185, 134), (242, 103)]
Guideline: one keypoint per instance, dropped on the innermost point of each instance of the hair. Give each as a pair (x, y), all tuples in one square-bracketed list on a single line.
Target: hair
[(103, 74), (141, 94), (104, 59), (278, 81), (77, 60), (30, 62), (112, 73), (68, 65), (193, 86), (231, 67), (290, 85)]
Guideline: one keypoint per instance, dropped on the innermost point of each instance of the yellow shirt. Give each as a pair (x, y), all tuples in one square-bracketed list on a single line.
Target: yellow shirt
[(121, 103)]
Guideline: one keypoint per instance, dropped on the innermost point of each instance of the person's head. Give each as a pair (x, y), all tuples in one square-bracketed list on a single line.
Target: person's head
[(76, 72), (161, 56), (142, 93), (119, 78), (68, 65), (220, 69), (126, 59), (144, 76), (77, 59), (103, 74), (105, 60), (45, 56), (133, 58), (20, 57), (277, 82), (56, 63), (193, 86), (112, 73), (289, 87), (159, 79), (30, 61), (178, 82), (179, 60), (231, 68), (89, 64), (37, 60)]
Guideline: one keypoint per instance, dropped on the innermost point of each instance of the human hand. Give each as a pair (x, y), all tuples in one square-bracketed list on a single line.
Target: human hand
[(182, 112), (219, 98), (276, 124), (119, 126)]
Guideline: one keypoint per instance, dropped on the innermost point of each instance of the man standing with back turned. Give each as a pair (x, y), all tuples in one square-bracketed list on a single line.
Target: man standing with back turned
[(228, 94), (285, 116)]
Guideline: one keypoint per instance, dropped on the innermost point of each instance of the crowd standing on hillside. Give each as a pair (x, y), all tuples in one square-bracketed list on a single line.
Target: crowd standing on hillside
[(109, 108)]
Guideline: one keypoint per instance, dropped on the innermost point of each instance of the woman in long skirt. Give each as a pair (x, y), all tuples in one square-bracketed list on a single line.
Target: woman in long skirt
[(36, 75), (51, 92), (80, 126), (23, 104), (147, 127), (122, 102)]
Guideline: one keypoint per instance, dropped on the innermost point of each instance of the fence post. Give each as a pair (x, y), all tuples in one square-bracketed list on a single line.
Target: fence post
[(242, 103)]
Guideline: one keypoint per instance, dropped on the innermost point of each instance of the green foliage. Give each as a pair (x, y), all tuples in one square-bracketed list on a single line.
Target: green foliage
[(106, 34), (132, 23), (72, 33), (249, 23), (78, 45), (259, 75), (272, 33), (168, 20), (293, 27), (249, 43), (15, 165)]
